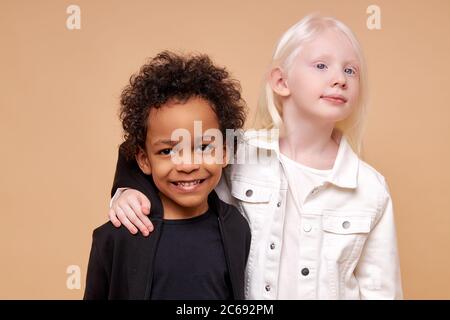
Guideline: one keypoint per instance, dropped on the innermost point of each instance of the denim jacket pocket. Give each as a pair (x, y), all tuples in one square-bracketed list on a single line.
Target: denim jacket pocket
[(344, 235), (254, 202), (250, 192)]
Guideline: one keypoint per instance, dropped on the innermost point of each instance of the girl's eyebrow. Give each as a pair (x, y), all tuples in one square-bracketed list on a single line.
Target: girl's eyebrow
[(353, 62), (320, 57), (327, 57)]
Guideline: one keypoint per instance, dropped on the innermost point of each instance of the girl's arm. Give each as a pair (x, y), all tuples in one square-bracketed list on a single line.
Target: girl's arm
[(129, 205), (127, 175), (378, 271)]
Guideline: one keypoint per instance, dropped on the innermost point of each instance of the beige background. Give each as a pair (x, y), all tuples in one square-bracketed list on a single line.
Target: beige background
[(59, 129)]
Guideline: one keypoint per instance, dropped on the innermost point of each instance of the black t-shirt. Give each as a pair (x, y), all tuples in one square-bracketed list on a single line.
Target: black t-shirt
[(190, 261)]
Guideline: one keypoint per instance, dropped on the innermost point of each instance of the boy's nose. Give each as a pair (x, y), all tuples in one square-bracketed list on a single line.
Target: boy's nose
[(187, 167)]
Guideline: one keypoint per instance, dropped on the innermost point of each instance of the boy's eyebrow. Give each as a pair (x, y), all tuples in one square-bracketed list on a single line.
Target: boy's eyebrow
[(174, 142), (166, 141), (206, 138)]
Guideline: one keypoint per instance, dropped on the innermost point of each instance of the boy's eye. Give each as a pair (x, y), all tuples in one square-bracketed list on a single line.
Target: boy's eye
[(321, 66), (165, 152), (350, 71), (205, 147)]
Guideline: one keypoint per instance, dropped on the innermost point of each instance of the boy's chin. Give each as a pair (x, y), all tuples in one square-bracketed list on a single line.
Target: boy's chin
[(191, 202)]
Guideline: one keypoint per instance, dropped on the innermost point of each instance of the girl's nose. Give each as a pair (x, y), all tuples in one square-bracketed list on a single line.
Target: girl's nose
[(339, 79)]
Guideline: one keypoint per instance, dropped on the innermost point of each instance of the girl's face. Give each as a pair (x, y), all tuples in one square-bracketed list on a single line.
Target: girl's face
[(323, 80)]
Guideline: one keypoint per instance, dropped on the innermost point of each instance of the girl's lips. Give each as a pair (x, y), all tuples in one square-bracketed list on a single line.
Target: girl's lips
[(187, 186), (335, 99)]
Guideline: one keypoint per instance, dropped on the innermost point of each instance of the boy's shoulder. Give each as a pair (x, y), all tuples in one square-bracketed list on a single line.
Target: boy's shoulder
[(108, 234), (231, 215)]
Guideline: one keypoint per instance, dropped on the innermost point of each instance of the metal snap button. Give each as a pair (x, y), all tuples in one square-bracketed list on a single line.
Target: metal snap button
[(305, 271), (307, 227), (272, 246), (267, 288), (279, 204), (249, 192), (346, 224)]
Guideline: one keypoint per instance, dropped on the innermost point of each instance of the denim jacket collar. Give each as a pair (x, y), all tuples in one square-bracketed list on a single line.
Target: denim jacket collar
[(345, 169)]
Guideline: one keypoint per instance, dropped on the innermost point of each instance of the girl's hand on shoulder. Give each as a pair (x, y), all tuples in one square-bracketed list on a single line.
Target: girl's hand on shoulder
[(131, 209)]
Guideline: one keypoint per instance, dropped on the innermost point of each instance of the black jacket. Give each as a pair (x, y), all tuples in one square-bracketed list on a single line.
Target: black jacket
[(121, 264)]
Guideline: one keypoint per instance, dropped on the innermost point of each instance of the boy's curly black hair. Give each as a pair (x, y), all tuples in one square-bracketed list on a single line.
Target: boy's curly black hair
[(170, 76)]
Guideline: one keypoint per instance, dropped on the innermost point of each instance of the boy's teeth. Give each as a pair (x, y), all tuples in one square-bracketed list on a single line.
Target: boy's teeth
[(188, 184)]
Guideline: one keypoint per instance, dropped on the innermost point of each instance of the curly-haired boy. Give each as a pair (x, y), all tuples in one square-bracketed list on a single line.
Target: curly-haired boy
[(200, 244)]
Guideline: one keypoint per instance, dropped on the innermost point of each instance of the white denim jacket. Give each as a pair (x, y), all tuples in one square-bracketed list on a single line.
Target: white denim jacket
[(347, 236)]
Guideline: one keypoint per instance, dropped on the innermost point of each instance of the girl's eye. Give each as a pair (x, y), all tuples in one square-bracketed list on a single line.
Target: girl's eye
[(321, 66), (350, 71), (165, 152)]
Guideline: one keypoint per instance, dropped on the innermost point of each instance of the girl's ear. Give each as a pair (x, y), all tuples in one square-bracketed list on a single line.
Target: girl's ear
[(143, 162), (278, 82)]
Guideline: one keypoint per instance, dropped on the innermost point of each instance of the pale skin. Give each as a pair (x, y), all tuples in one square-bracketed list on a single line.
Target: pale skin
[(319, 89)]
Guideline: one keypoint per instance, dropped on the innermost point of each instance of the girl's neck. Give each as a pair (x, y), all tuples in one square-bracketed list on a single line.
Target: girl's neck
[(307, 140)]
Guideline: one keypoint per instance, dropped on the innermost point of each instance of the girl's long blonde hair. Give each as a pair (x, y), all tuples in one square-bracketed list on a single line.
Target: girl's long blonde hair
[(269, 112)]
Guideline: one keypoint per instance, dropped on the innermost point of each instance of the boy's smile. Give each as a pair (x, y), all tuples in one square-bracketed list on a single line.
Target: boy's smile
[(184, 185), (187, 185)]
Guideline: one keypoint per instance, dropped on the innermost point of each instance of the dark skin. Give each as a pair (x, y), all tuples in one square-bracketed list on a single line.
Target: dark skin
[(184, 187)]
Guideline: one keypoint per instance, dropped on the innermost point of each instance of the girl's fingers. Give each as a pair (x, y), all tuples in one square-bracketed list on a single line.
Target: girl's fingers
[(113, 218), (136, 206), (131, 215), (124, 220), (146, 221), (145, 203)]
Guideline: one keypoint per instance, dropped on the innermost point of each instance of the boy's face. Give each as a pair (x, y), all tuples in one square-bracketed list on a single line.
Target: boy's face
[(184, 185)]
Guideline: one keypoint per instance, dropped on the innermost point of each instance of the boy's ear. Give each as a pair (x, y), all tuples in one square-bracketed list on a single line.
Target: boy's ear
[(225, 156), (143, 162), (278, 82)]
